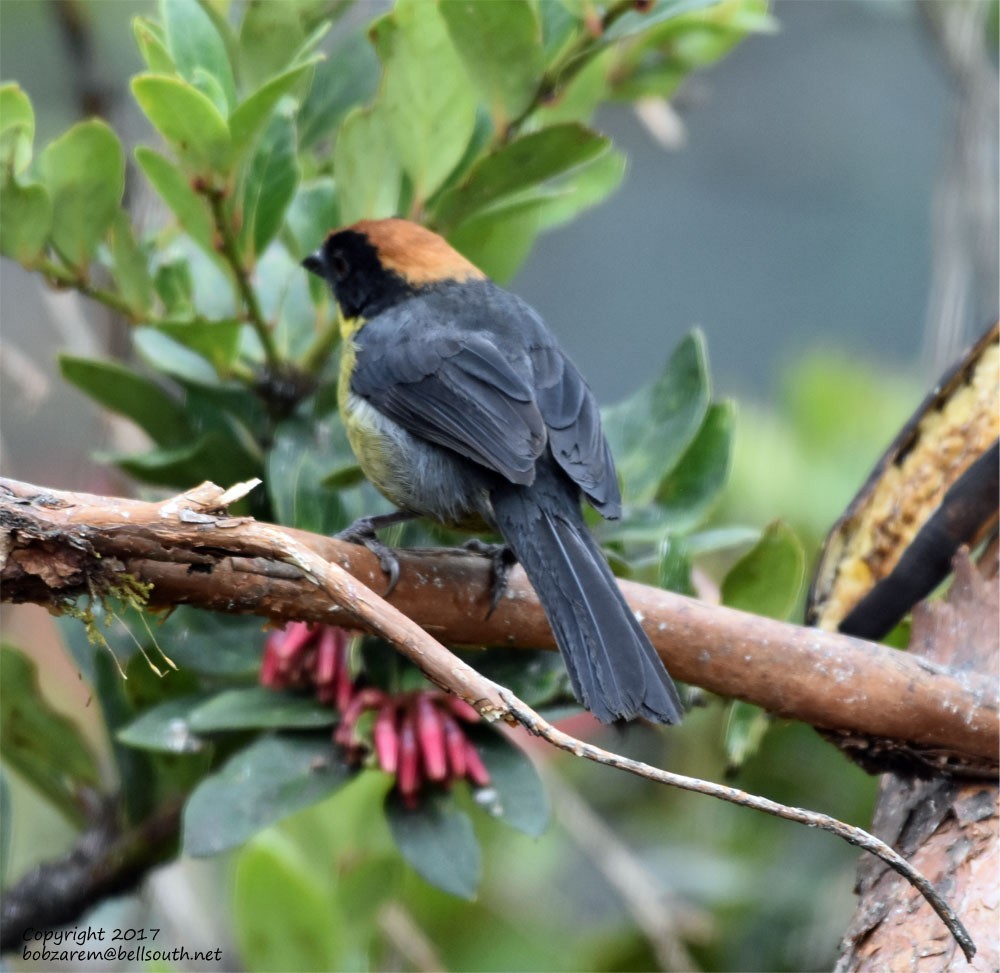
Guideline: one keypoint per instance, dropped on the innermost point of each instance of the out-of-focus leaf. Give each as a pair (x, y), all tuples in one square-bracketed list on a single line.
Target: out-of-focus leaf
[(429, 114), (175, 190), (674, 568), (269, 183), (348, 77), (437, 839), (43, 746), (284, 918), (84, 173), (637, 22), (17, 129), (768, 579), (194, 43), (498, 242), (746, 726), (535, 676), (518, 166), (212, 456), (500, 44), (173, 355), (272, 778), (515, 795), (25, 220), (270, 35), (175, 289), (166, 727), (123, 391), (695, 483), (252, 114), (298, 463), (258, 708), (216, 341), (365, 167), (313, 213), (151, 41), (649, 431), (582, 188), (188, 120), (131, 269), (226, 647)]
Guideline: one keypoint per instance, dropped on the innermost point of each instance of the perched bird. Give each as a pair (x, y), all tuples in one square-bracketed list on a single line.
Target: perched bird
[(461, 407)]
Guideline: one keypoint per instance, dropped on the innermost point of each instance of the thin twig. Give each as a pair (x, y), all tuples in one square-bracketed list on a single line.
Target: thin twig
[(230, 251), (532, 722)]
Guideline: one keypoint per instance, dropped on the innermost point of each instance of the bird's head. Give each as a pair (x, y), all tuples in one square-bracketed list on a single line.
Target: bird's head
[(374, 264)]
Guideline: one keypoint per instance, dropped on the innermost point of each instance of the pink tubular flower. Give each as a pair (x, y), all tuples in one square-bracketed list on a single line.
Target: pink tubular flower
[(418, 736)]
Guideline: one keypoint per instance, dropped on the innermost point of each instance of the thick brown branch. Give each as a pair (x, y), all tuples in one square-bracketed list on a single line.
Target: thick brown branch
[(231, 564)]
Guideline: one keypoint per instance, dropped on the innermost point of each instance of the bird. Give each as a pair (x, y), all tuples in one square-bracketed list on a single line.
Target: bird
[(461, 407)]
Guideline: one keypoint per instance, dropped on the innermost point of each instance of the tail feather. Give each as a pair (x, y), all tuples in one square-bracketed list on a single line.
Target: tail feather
[(612, 666)]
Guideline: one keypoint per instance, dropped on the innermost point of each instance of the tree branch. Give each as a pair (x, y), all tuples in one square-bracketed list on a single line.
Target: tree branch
[(56, 546)]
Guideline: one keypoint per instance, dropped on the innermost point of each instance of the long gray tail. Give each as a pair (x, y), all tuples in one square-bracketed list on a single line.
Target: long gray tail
[(614, 669)]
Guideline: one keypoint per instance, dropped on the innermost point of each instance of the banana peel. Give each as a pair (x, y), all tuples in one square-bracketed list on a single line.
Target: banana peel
[(934, 490)]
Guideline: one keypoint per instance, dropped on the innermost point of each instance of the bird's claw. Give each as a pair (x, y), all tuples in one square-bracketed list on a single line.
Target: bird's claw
[(362, 531), (502, 559)]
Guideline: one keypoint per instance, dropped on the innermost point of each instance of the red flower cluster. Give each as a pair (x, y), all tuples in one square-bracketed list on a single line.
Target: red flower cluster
[(417, 735)]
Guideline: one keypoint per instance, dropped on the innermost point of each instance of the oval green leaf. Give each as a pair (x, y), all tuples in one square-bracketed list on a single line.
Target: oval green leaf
[(259, 708), (25, 220), (515, 795), (438, 841), (174, 188), (500, 44), (84, 173), (273, 777), (768, 579), (430, 114), (188, 120), (194, 43)]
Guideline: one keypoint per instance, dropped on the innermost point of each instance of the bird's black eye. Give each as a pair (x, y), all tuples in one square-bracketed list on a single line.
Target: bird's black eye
[(338, 265)]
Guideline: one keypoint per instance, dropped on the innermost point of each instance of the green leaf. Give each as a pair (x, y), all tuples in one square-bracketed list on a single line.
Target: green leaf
[(166, 727), (131, 268), (582, 188), (280, 907), (259, 708), (188, 120), (194, 43), (515, 795), (43, 746), (121, 390), (218, 342), (212, 456), (674, 569), (6, 829), (297, 466), (768, 579), (688, 492), (252, 114), (84, 173), (430, 114), (365, 167), (220, 647), (437, 839), (348, 77), (533, 675), (272, 778), (519, 166), (17, 130), (269, 183), (175, 288), (25, 220), (270, 35), (149, 38), (650, 431), (746, 726), (312, 214), (174, 188), (500, 44), (497, 242)]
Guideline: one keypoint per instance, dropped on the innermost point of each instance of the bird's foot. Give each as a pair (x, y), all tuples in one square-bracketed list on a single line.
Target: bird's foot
[(362, 531), (503, 559)]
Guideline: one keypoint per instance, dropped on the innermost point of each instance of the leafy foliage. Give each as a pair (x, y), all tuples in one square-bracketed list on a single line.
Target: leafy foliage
[(267, 128)]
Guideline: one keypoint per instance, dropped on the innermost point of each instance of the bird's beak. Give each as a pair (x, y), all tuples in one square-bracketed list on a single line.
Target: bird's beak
[(314, 263)]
